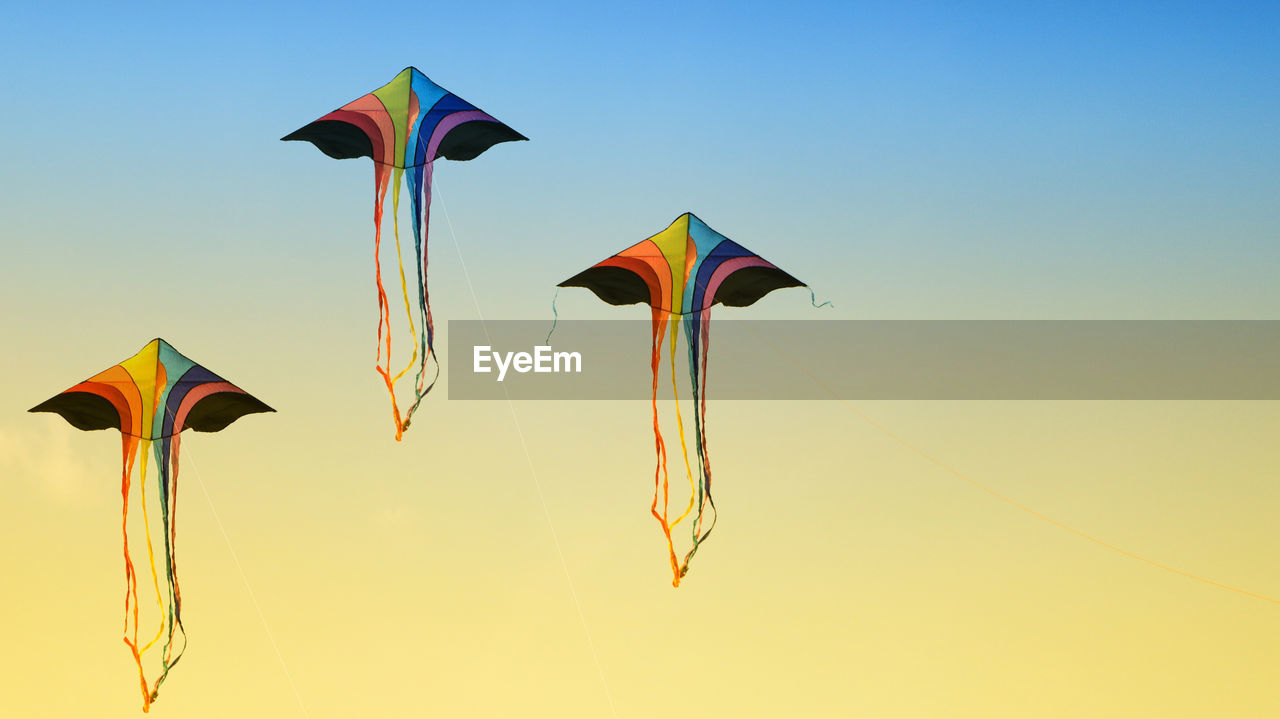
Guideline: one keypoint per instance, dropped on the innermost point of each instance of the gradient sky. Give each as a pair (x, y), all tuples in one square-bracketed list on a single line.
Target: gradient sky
[(906, 160)]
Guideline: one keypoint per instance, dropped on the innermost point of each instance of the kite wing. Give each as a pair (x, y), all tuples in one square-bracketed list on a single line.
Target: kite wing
[(687, 267), (409, 121), (192, 397)]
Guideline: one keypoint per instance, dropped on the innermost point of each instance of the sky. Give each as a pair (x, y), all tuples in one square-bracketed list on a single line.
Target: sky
[(905, 160)]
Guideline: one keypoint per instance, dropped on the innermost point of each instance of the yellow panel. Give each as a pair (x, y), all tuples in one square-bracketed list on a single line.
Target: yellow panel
[(142, 368), (673, 242), (395, 97)]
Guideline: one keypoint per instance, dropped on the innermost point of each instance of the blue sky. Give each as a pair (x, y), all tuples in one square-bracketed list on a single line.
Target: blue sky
[(1082, 160)]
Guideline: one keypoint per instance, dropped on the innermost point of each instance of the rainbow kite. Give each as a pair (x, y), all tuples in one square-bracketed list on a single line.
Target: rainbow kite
[(681, 272), (404, 126), (151, 398)]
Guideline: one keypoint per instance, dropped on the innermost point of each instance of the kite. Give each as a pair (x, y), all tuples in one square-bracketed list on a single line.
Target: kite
[(403, 127), (680, 273), (151, 398)]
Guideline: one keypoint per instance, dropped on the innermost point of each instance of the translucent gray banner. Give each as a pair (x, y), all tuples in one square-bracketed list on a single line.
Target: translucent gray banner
[(867, 359)]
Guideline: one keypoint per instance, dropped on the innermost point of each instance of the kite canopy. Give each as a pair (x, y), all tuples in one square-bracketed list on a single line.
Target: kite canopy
[(408, 122), (130, 395), (685, 268)]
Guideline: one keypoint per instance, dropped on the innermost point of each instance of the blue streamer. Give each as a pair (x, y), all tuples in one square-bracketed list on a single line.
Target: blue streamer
[(555, 317), (813, 299)]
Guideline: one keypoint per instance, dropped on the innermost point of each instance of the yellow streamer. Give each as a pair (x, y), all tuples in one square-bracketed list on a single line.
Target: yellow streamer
[(684, 449), (404, 286), (151, 556)]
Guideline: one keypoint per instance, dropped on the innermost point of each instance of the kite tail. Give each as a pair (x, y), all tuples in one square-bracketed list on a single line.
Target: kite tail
[(420, 195), (381, 180), (404, 285), (167, 459), (130, 451), (132, 447), (684, 447), (697, 329), (151, 555), (660, 482)]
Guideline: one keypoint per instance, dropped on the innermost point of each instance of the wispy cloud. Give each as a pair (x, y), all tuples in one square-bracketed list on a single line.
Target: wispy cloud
[(42, 456)]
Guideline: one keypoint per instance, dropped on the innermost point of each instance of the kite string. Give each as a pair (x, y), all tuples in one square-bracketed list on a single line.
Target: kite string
[(537, 484), (978, 485), (248, 587)]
